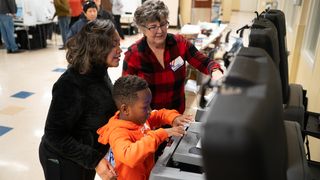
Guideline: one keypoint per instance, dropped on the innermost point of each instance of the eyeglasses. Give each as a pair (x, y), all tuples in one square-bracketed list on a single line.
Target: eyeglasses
[(154, 29)]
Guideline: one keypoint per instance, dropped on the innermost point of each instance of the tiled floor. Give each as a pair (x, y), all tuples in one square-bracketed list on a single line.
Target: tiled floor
[(26, 80)]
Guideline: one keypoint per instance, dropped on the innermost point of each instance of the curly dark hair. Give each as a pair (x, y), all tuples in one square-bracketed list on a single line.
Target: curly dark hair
[(91, 45), (126, 87), (151, 11)]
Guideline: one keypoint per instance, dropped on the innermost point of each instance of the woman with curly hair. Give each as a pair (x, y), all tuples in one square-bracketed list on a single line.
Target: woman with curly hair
[(81, 103)]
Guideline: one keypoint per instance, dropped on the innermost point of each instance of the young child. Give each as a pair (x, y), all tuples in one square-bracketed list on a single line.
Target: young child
[(131, 131)]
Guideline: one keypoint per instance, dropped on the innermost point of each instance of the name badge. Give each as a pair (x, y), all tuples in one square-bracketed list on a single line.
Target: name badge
[(177, 63)]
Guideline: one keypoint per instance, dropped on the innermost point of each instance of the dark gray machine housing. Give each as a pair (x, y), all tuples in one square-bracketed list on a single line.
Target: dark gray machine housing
[(245, 136)]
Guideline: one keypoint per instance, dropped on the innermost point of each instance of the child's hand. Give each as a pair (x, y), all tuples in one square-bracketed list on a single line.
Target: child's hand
[(175, 131), (105, 170), (182, 120)]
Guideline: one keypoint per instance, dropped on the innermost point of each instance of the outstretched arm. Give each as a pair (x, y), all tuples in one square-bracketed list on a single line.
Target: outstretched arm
[(130, 149)]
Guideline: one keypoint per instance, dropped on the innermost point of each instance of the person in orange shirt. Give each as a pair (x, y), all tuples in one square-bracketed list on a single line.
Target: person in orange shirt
[(76, 10), (130, 132)]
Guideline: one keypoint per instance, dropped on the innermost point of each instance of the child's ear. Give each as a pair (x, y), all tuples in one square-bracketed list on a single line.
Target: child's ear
[(124, 108)]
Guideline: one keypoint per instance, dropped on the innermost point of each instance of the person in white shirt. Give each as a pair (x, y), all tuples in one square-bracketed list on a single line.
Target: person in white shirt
[(117, 7)]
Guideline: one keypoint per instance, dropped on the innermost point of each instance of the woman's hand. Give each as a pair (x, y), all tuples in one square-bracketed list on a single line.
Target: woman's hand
[(216, 75), (105, 170)]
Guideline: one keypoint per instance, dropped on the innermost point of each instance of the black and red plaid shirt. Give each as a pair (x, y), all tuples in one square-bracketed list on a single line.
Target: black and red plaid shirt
[(166, 85)]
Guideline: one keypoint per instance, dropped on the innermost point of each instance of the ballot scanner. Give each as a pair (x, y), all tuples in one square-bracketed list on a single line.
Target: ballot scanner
[(241, 134)]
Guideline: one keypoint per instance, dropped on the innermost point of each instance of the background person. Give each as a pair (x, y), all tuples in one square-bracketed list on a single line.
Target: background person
[(90, 12), (8, 8), (76, 10), (63, 12), (106, 5), (160, 57), (81, 103), (103, 14), (117, 7)]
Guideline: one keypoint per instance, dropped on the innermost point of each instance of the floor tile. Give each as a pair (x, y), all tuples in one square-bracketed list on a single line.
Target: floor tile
[(22, 94), (4, 130), (59, 70)]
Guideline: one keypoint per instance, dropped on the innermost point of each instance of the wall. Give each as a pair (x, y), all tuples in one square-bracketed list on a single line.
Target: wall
[(235, 5), (201, 11), (273, 4), (302, 69), (227, 7), (308, 70), (173, 6), (131, 5), (248, 5), (226, 10), (185, 10)]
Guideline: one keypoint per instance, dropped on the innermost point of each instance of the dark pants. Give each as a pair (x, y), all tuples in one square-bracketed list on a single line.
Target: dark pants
[(118, 25), (56, 167), (64, 22), (0, 39), (7, 32)]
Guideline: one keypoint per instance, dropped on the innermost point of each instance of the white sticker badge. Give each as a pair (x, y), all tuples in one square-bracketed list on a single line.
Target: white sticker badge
[(177, 63)]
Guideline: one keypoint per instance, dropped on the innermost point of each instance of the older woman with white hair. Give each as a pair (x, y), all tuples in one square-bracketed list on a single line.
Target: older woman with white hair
[(160, 57)]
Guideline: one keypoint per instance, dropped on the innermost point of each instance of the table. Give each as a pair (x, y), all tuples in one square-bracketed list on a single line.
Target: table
[(32, 36), (193, 33), (216, 32), (127, 22), (201, 42)]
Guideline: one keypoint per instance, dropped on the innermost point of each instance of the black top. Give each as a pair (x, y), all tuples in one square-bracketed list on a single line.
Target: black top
[(8, 6), (80, 105), (103, 14)]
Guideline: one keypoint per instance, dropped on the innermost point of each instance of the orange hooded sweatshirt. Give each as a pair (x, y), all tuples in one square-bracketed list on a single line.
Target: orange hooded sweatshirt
[(134, 145)]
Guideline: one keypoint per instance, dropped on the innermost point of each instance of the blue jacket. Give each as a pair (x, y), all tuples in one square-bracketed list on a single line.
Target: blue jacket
[(76, 27)]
